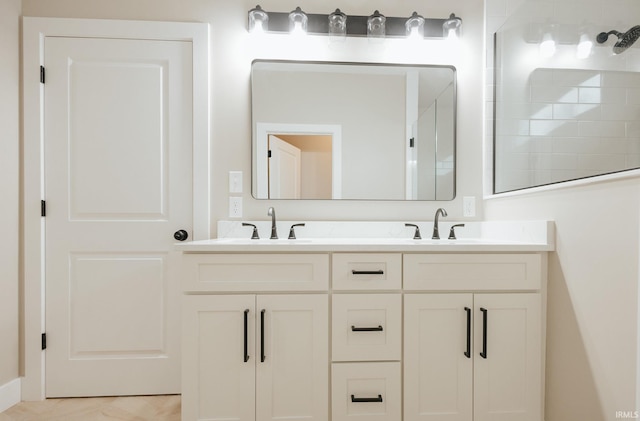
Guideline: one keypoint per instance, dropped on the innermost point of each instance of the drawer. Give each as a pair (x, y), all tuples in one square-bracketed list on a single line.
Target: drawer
[(368, 391), (453, 272), (255, 272), (366, 327), (367, 271)]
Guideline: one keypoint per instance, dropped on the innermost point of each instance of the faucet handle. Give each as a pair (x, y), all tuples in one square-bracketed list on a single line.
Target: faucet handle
[(254, 235), (416, 235), (292, 232), (452, 232)]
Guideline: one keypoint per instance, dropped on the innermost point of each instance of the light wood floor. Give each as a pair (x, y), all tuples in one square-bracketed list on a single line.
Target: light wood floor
[(125, 408)]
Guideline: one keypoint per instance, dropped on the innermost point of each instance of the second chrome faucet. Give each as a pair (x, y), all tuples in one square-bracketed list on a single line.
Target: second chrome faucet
[(436, 231), (274, 232)]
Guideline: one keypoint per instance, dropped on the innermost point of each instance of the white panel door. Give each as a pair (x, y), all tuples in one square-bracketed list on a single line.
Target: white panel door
[(507, 371), (292, 368), (118, 184), (220, 358), (284, 169), (438, 358)]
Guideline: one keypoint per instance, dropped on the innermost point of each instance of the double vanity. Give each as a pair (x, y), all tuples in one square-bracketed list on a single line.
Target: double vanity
[(359, 321)]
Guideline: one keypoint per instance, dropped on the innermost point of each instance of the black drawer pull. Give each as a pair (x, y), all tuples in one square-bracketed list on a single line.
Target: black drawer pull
[(467, 353), (483, 354), (246, 350), (262, 356), (356, 400), (368, 272), (366, 329)]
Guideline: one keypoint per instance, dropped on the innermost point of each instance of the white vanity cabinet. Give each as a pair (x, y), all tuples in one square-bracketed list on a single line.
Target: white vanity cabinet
[(335, 333), (255, 356), (471, 354)]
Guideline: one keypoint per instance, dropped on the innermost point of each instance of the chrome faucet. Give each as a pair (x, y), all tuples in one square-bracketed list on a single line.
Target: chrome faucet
[(436, 233), (274, 232)]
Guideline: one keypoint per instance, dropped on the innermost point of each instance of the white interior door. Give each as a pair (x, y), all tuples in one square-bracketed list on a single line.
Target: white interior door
[(118, 184), (284, 169)]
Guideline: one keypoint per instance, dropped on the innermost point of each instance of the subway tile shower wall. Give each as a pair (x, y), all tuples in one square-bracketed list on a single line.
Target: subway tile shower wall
[(578, 123)]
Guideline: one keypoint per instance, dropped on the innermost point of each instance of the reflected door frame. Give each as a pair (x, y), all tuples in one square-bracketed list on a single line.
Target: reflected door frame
[(35, 32), (263, 130)]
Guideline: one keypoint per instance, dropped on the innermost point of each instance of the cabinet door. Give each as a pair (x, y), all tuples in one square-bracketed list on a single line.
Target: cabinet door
[(437, 373), (507, 375), (292, 378), (218, 379)]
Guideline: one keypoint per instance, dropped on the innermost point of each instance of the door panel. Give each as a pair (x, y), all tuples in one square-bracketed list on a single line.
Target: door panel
[(292, 381), (508, 381), (99, 329), (438, 374), (219, 383), (118, 176), (123, 129)]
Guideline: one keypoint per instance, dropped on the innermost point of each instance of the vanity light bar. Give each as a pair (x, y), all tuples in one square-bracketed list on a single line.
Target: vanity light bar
[(318, 24)]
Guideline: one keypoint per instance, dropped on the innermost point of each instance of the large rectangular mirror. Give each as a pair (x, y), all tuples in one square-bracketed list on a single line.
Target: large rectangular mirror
[(353, 131)]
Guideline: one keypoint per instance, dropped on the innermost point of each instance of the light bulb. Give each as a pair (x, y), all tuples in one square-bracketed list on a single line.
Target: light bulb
[(376, 26), (337, 26), (298, 22), (258, 20), (547, 46), (585, 46), (415, 27)]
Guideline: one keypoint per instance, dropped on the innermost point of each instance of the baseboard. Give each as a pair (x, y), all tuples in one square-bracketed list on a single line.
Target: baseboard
[(9, 394)]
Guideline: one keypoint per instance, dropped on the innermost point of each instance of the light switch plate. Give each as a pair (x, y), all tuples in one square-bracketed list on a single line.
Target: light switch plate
[(235, 181)]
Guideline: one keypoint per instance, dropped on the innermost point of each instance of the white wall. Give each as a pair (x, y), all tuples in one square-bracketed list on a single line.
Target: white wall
[(9, 184), (592, 324)]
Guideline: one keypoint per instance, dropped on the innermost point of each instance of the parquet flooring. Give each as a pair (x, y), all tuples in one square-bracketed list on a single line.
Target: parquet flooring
[(120, 408)]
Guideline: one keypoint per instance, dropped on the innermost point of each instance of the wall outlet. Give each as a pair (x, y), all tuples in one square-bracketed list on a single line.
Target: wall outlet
[(469, 206), (235, 181), (235, 207)]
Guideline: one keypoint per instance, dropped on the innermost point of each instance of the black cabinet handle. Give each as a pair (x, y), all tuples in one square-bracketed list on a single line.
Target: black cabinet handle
[(467, 353), (262, 357), (368, 272), (366, 329), (246, 346), (483, 354), (356, 400)]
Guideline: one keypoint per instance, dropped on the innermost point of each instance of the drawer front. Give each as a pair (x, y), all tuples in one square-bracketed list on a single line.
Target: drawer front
[(367, 271), (366, 327), (368, 391), (255, 272), (451, 272)]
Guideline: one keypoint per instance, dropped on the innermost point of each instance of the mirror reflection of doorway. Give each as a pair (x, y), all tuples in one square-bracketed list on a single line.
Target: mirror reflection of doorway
[(298, 162), (300, 166), (284, 169)]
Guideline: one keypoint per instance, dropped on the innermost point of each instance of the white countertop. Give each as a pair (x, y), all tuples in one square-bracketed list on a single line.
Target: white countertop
[(511, 236)]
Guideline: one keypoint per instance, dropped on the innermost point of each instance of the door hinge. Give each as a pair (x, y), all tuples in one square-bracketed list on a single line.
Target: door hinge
[(43, 208), (412, 142), (41, 74), (44, 341), (269, 154)]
